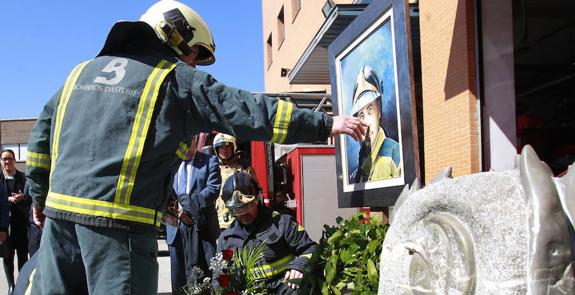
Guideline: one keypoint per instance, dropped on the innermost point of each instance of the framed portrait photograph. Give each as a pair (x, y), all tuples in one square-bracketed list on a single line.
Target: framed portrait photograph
[(372, 79)]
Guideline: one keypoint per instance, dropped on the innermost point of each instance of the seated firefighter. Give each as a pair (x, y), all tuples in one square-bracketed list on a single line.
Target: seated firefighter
[(230, 161), (286, 245)]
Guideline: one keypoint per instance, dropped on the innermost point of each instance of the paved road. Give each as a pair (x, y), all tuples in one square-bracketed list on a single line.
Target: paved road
[(164, 285)]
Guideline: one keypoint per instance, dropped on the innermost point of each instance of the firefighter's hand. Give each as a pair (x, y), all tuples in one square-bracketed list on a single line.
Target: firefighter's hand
[(2, 237), (39, 217), (349, 125), (293, 275)]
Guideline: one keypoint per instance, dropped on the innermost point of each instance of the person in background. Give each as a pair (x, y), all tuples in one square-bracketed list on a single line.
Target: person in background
[(106, 146), (286, 245), (226, 148), (4, 217), (14, 181), (193, 241)]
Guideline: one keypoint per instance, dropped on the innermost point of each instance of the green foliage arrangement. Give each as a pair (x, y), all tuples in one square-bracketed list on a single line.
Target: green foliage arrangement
[(246, 275), (347, 258), (233, 273)]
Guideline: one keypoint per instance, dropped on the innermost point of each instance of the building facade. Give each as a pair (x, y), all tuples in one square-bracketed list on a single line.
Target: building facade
[(491, 76)]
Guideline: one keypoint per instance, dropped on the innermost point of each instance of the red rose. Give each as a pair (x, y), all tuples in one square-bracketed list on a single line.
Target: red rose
[(228, 254), (365, 221), (231, 293), (224, 281)]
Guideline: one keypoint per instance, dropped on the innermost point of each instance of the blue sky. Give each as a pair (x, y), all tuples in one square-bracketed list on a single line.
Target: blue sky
[(44, 40)]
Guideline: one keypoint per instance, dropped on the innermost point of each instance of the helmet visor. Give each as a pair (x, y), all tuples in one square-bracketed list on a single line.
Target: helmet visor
[(244, 209), (240, 204)]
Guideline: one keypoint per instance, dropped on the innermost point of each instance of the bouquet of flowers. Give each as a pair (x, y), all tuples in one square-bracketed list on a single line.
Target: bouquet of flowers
[(237, 272), (197, 284), (233, 273)]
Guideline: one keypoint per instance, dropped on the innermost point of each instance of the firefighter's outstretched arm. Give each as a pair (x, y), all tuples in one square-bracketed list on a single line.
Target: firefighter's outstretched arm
[(259, 117), (38, 163)]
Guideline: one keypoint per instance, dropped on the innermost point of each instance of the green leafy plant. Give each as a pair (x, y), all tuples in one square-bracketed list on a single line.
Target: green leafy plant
[(238, 272), (347, 258), (233, 273), (246, 271)]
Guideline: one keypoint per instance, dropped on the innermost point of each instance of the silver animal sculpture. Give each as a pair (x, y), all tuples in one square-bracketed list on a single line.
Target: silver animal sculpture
[(485, 233)]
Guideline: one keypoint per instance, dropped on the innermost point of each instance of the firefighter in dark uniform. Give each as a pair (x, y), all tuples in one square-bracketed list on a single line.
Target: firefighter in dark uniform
[(287, 246), (105, 148), (226, 148)]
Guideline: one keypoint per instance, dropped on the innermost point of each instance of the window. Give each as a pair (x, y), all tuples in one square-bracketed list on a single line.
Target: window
[(295, 8), (281, 28), (20, 150), (269, 51)]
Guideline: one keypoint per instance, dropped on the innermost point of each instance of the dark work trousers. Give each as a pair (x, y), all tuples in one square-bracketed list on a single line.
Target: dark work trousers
[(178, 259), (17, 245), (80, 259), (34, 235), (177, 266)]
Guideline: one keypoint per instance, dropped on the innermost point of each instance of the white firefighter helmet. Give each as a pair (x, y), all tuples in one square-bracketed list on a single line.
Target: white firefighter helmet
[(180, 27), (224, 139), (366, 89)]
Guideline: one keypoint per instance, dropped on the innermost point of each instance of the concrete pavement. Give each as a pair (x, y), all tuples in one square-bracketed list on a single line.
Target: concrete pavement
[(164, 284)]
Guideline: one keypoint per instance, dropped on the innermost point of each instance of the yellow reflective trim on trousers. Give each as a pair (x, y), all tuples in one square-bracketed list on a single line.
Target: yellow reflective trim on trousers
[(282, 120), (139, 132), (31, 281), (274, 268), (38, 160), (182, 151), (103, 208), (61, 110)]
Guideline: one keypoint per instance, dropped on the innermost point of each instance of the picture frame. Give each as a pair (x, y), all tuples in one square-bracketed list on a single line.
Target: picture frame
[(372, 78)]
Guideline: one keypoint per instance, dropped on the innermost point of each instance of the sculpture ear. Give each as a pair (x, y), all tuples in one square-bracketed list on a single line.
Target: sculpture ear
[(443, 174), (566, 188), (405, 194), (549, 242)]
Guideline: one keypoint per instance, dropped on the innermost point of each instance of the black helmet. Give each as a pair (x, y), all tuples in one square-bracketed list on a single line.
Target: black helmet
[(240, 190)]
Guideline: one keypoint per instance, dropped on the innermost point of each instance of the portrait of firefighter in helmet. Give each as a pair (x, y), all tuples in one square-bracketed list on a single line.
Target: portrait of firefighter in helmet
[(379, 155)]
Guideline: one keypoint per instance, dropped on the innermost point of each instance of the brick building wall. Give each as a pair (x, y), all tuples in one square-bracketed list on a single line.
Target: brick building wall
[(300, 27), (450, 102)]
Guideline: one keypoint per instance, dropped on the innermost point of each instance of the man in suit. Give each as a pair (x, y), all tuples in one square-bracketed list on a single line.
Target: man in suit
[(193, 241)]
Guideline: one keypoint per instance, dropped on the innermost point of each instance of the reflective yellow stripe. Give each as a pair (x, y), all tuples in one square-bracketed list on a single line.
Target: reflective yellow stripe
[(62, 105), (31, 163), (182, 151), (39, 156), (274, 268), (282, 120), (38, 160), (30, 282), (308, 256), (103, 209), (140, 128)]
